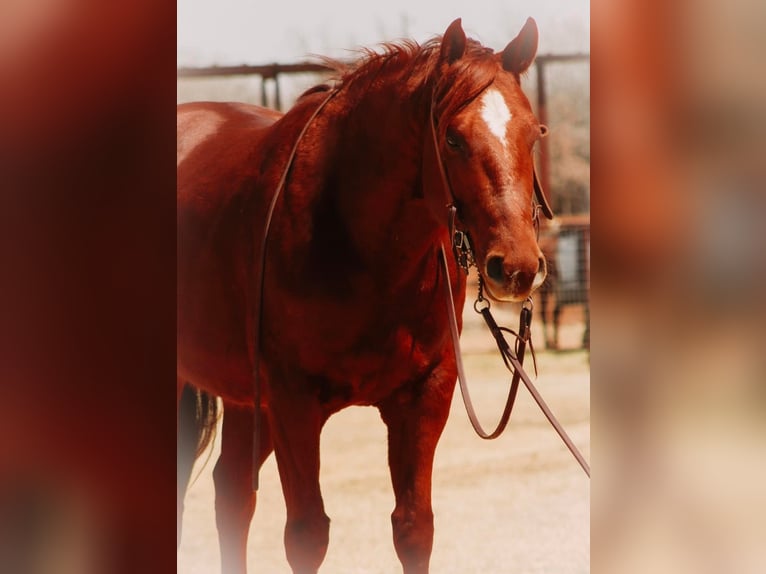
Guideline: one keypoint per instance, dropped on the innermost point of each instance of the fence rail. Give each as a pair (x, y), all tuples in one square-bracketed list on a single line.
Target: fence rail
[(272, 72)]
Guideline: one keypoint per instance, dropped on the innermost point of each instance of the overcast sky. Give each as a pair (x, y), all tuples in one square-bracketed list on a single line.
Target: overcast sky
[(257, 32)]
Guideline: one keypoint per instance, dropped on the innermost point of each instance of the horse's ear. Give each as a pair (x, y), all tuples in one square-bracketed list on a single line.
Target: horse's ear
[(520, 51), (453, 43)]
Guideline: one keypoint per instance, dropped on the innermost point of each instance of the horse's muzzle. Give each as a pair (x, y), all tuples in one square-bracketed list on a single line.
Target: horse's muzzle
[(513, 280)]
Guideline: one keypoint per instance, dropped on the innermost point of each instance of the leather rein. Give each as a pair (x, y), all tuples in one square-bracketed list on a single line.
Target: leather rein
[(464, 258), (260, 269)]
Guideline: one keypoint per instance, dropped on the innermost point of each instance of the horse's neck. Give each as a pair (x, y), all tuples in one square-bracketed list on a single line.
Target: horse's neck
[(376, 175)]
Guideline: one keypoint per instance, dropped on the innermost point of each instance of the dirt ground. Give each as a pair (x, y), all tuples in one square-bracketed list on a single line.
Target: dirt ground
[(516, 504)]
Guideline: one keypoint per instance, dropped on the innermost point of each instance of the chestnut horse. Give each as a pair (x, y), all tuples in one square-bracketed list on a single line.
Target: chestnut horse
[(353, 310)]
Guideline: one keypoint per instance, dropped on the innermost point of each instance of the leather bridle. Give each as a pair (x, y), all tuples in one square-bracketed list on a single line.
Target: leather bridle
[(464, 258)]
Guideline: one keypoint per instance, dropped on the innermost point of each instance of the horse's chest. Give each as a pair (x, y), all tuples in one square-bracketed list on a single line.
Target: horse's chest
[(362, 353)]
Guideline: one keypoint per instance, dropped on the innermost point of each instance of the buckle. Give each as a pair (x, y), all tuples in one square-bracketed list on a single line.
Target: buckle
[(462, 250)]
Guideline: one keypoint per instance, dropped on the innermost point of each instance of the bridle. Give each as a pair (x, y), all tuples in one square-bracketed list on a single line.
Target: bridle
[(464, 257), (461, 248)]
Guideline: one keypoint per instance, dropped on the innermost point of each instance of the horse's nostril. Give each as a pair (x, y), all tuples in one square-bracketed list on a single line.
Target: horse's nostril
[(541, 265), (495, 269)]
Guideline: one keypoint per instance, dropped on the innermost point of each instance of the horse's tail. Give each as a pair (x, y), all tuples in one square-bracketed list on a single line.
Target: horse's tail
[(197, 418)]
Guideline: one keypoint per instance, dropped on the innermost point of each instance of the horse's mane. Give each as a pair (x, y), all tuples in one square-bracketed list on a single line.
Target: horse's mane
[(416, 63), (404, 56)]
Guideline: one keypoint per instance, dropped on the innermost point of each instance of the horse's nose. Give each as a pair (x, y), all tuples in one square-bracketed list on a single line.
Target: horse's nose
[(495, 269), (521, 278)]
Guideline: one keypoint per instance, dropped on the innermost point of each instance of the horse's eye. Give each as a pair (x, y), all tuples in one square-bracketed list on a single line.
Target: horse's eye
[(452, 141)]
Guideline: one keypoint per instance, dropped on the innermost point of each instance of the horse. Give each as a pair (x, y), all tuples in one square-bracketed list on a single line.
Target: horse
[(351, 308)]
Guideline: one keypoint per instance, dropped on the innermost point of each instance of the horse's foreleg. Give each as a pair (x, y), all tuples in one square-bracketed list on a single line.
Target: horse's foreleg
[(296, 423), (234, 496), (415, 419)]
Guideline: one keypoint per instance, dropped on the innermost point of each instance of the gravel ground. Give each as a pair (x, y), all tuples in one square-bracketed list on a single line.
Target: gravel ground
[(516, 504)]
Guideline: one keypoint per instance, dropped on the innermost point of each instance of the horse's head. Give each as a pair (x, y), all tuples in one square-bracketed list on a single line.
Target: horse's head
[(483, 134)]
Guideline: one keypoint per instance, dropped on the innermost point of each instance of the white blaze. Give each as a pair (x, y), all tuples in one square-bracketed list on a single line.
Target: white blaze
[(495, 113)]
